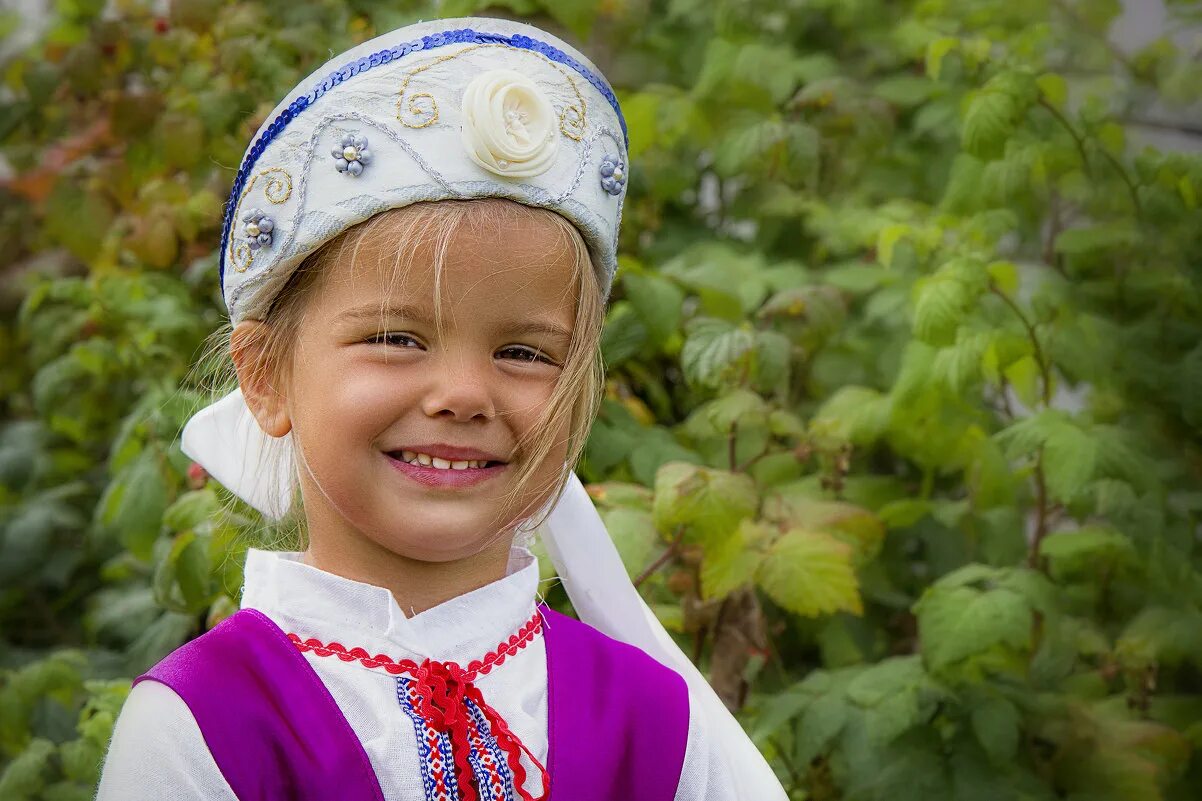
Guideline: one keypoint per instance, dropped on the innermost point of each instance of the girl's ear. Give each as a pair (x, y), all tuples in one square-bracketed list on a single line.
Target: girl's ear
[(257, 378)]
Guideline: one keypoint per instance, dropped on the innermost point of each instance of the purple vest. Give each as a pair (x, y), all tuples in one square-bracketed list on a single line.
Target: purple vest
[(617, 719)]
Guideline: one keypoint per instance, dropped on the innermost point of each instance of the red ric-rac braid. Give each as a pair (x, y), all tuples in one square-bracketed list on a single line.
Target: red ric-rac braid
[(441, 688)]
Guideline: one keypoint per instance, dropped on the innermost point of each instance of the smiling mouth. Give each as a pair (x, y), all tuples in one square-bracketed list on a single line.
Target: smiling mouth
[(426, 460)]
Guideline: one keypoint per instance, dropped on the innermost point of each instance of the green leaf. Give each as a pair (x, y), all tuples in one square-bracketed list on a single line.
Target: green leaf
[(771, 360), (709, 503), (810, 574), (1086, 551), (857, 527), (1026, 377), (657, 300), (624, 335), (1069, 461), (715, 352), (995, 722), (610, 494), (634, 535), (957, 622), (1080, 241), (1053, 88), (963, 190), (740, 407), (906, 90), (25, 776), (191, 509), (733, 562), (988, 122), (136, 500), (940, 306), (856, 414), (821, 307), (959, 366), (78, 218), (1158, 634), (191, 560), (937, 50), (729, 282), (820, 724)]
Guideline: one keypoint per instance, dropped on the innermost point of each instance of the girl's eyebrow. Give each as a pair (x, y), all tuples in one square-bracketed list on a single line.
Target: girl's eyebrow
[(539, 327), (378, 312), (373, 311)]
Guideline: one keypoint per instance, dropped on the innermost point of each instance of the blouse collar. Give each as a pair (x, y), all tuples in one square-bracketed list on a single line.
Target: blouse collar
[(311, 602)]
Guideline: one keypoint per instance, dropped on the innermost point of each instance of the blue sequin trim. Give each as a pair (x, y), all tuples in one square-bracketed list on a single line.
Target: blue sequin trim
[(462, 36)]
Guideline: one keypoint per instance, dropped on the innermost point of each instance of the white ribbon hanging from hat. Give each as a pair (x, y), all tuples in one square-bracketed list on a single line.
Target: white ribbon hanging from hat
[(226, 440)]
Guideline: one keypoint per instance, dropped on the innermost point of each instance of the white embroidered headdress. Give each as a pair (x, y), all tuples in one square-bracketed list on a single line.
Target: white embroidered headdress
[(447, 109)]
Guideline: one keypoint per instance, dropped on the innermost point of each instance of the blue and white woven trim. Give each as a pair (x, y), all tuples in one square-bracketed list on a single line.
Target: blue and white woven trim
[(433, 748)]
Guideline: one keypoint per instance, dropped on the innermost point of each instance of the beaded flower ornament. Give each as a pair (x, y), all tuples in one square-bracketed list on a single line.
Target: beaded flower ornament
[(453, 109)]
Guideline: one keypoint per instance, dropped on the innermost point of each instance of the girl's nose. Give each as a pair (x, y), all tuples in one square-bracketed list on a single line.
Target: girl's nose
[(460, 391)]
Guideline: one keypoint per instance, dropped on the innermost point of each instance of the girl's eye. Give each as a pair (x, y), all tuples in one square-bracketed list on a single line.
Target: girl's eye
[(523, 355), (391, 338)]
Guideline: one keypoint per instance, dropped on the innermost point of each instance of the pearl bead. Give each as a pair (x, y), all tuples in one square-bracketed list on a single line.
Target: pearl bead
[(252, 230), (349, 153), (618, 173)]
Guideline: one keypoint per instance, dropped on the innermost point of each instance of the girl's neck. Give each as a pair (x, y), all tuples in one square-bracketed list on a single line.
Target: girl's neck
[(416, 585)]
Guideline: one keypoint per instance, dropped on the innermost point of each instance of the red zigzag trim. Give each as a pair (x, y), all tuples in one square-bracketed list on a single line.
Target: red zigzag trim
[(525, 635)]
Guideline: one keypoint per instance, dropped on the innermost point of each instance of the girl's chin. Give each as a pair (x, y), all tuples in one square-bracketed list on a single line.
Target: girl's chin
[(445, 541)]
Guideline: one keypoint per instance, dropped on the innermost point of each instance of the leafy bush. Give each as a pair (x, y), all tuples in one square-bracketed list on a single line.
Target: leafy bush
[(905, 383)]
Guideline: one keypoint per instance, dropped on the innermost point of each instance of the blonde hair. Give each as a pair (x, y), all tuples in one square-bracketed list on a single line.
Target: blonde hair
[(577, 392)]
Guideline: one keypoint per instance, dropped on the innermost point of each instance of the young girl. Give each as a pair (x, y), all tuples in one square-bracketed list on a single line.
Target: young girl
[(416, 258)]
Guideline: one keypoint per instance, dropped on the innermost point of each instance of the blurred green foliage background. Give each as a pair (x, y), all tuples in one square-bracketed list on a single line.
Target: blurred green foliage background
[(902, 426)]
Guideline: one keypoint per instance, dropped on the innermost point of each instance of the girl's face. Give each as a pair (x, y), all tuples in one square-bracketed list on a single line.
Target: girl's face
[(371, 391)]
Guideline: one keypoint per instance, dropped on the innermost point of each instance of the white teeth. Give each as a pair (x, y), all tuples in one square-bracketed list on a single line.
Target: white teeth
[(413, 457)]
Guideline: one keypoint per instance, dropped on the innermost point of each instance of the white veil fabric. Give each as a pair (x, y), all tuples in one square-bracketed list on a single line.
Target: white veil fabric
[(226, 440)]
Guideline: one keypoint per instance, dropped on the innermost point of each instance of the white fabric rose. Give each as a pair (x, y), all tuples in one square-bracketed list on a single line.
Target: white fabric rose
[(509, 126)]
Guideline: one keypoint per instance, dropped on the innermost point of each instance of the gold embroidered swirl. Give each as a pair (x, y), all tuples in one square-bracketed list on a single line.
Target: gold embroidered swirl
[(277, 190), (422, 114)]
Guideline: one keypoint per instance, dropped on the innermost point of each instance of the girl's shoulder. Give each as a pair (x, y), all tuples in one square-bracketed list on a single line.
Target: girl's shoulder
[(571, 640), (619, 718), (157, 750), (263, 712)]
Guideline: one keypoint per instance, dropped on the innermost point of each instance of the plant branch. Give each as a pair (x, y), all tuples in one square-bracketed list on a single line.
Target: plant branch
[(1006, 399), (1055, 226), (1080, 142), (747, 464), (1068, 126), (669, 552), (731, 441), (1041, 514), (1044, 370)]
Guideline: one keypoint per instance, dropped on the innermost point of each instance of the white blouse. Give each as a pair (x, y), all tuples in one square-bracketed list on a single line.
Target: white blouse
[(157, 750)]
